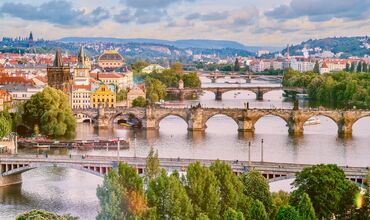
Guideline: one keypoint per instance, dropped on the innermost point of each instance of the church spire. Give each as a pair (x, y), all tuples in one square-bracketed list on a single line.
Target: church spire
[(58, 62), (81, 56)]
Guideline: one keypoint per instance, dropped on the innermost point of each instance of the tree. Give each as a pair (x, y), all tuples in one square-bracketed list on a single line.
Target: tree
[(364, 67), (359, 67), (122, 95), (177, 68), (155, 90), (237, 65), (139, 65), (139, 102), (287, 213), (50, 111), (316, 68), (305, 208), (122, 195), (168, 196), (318, 181), (279, 199), (257, 188), (231, 214), (5, 124), (42, 214), (202, 216), (257, 211), (202, 187), (152, 169), (191, 80), (230, 186), (352, 68), (347, 69)]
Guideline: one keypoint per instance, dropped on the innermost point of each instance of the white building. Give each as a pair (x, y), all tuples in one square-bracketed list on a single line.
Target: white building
[(21, 92), (302, 64), (80, 97), (153, 67)]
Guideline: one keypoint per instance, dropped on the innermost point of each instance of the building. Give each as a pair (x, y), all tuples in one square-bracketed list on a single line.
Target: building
[(81, 97), (110, 59), (324, 68), (21, 92), (103, 95), (5, 100), (59, 76), (81, 75), (153, 68), (133, 94), (302, 64), (117, 79)]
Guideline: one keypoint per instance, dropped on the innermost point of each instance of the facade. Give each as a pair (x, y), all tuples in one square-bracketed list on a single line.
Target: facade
[(133, 94), (59, 76), (324, 68), (81, 97), (22, 92), (110, 59), (103, 95), (302, 64), (5, 100)]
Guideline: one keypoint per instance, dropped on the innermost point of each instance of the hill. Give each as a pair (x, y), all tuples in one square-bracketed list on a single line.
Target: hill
[(182, 44), (343, 46)]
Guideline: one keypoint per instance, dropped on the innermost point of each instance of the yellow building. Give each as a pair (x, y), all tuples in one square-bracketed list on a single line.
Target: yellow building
[(104, 95)]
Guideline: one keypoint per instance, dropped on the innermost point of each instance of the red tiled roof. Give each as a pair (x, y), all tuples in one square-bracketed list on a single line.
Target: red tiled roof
[(106, 75), (87, 87), (15, 80)]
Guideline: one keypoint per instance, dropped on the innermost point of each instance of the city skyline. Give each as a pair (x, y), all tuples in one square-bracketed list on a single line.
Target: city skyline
[(262, 23)]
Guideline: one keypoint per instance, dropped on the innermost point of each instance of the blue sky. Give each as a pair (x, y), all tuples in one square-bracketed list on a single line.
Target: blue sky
[(252, 22)]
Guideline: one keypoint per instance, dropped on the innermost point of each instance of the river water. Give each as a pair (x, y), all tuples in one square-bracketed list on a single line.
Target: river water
[(72, 191)]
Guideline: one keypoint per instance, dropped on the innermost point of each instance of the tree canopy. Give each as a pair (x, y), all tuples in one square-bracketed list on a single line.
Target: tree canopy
[(155, 90), (50, 112), (43, 215)]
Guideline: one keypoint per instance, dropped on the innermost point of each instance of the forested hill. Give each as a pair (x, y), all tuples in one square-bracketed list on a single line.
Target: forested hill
[(348, 46)]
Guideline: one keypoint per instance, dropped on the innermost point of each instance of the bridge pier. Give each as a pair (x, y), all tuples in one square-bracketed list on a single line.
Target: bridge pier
[(10, 180), (345, 129), (295, 128), (218, 95), (245, 126), (259, 95)]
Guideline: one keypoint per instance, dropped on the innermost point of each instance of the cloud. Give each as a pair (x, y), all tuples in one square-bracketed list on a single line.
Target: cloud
[(140, 16), (150, 4), (58, 12), (322, 10)]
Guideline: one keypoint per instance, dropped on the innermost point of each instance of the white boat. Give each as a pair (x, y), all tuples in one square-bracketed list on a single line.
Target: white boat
[(312, 121)]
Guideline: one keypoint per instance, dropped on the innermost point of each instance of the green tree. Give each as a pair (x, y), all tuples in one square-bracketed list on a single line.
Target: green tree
[(139, 102), (318, 181), (168, 196), (359, 67), (257, 188), (152, 168), (347, 69), (257, 211), (155, 90), (352, 68), (122, 95), (305, 208), (202, 188), (191, 80), (231, 188), (231, 214), (236, 65), (121, 196), (287, 213), (202, 216), (42, 214), (316, 68), (139, 65), (279, 199), (364, 67), (5, 124), (51, 112)]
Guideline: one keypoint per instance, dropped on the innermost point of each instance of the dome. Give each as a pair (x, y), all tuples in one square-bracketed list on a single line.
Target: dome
[(110, 55)]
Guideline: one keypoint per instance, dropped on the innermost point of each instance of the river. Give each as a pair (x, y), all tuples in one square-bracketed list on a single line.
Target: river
[(72, 191)]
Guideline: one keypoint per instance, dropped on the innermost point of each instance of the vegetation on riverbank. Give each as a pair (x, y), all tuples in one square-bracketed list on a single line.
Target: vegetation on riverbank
[(339, 89), (215, 192), (42, 214)]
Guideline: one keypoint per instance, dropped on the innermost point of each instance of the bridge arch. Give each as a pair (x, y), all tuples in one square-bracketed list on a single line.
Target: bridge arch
[(92, 169), (123, 116), (83, 117), (360, 121), (241, 92), (230, 116), (177, 115)]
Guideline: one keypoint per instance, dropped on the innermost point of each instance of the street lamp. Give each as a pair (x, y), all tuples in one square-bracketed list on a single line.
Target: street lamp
[(262, 150), (249, 154)]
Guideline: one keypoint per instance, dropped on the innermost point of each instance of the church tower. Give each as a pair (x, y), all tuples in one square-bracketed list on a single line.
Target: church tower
[(30, 40), (81, 74), (59, 76)]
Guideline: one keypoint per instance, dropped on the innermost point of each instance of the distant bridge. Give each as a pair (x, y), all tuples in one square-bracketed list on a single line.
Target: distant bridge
[(12, 166), (220, 90), (196, 117)]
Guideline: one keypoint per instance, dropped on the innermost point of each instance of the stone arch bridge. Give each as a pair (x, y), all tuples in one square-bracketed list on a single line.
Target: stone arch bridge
[(197, 117), (11, 167)]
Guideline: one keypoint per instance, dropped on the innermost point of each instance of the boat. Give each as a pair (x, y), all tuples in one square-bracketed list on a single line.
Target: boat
[(312, 121), (42, 146)]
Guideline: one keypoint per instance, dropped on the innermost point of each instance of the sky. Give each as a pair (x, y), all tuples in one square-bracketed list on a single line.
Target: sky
[(251, 22)]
